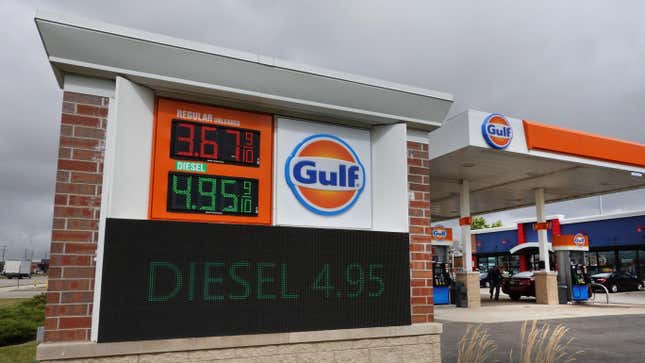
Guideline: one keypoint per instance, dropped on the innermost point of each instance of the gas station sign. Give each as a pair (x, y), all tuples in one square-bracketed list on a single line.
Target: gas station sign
[(245, 238), (211, 164), (570, 242), (323, 176), (441, 233)]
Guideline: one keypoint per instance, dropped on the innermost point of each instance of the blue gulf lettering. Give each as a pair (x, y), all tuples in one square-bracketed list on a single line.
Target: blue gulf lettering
[(322, 177), (352, 174), (497, 130), (342, 172), (311, 174)]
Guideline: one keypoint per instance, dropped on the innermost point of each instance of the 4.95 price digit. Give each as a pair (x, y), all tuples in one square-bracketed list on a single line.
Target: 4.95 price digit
[(357, 281)]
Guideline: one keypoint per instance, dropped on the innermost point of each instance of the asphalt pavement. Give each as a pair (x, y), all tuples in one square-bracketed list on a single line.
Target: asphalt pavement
[(619, 338), (22, 288)]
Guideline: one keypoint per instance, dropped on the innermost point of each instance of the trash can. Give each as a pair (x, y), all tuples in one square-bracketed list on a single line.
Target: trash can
[(461, 295), (580, 293), (563, 293), (441, 295)]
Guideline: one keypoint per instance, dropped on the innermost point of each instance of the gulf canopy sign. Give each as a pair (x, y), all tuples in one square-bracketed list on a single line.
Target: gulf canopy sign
[(571, 242), (497, 131), (441, 233)]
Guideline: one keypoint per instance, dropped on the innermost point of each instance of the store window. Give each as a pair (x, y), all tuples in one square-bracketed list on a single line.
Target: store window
[(513, 264), (628, 262), (593, 263), (641, 264), (486, 263), (606, 261)]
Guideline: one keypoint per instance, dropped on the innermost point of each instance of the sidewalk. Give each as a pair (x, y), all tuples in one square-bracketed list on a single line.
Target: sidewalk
[(507, 312)]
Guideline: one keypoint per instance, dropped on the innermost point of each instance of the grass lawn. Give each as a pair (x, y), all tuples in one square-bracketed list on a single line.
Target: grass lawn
[(19, 353), (19, 320), (8, 302)]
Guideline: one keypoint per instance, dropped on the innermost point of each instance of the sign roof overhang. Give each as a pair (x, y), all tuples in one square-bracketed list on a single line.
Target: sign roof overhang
[(200, 72)]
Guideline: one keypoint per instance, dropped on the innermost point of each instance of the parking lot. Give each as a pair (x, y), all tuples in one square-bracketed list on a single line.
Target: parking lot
[(631, 297), (598, 339), (590, 324)]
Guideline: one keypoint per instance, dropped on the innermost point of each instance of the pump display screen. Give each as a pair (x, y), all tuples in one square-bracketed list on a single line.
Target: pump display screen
[(183, 279), (212, 194), (214, 143)]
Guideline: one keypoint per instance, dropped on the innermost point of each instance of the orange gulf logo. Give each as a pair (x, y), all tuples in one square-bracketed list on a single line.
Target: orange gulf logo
[(579, 239), (497, 131), (325, 174), (440, 233)]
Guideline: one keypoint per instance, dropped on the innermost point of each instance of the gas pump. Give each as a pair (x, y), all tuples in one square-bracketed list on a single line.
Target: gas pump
[(579, 277), (441, 281), (573, 279)]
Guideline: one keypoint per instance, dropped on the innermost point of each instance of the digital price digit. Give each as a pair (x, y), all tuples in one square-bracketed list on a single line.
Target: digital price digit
[(213, 194), (214, 143), (357, 281)]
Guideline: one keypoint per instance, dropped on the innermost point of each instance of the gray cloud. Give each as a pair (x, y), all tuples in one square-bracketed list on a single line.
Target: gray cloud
[(576, 64)]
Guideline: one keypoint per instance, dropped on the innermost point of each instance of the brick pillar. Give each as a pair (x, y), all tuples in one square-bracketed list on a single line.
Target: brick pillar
[(420, 234), (76, 216)]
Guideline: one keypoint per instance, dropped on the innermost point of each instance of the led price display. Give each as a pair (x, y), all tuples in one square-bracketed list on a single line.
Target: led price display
[(212, 194), (211, 164), (208, 279), (214, 143)]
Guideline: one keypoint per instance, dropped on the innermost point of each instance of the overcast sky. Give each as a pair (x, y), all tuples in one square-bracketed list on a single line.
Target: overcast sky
[(577, 64)]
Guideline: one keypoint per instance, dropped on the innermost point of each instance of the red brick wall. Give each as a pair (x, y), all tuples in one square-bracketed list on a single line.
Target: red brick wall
[(420, 245), (76, 215)]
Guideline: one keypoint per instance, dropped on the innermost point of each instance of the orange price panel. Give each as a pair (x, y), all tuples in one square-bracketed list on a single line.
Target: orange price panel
[(211, 164)]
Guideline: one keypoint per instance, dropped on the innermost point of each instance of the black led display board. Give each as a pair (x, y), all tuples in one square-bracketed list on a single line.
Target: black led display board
[(176, 279), (214, 143), (212, 194)]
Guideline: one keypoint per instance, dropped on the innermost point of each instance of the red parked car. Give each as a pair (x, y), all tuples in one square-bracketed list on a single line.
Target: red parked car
[(520, 284)]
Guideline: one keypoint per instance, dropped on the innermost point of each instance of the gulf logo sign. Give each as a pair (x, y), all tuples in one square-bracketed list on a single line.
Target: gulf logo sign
[(441, 233), (497, 131), (579, 239), (325, 174), (570, 242)]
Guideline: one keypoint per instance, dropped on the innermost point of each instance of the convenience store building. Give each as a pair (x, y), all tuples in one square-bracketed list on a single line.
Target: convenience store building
[(616, 243)]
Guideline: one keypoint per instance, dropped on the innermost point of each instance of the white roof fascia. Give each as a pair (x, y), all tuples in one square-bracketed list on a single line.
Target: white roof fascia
[(602, 217), (492, 230), (450, 137), (534, 219)]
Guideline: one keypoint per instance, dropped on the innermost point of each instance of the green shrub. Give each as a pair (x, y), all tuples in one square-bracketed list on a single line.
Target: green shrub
[(18, 323)]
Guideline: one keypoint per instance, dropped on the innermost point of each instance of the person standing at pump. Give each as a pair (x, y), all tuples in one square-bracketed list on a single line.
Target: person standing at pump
[(494, 281)]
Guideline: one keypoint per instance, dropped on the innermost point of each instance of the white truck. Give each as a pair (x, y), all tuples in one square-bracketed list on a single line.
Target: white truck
[(17, 268)]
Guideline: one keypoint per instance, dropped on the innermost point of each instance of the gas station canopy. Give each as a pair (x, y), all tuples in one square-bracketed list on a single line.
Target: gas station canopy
[(568, 164)]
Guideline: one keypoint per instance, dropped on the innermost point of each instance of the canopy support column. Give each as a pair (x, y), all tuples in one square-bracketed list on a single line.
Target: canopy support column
[(541, 228), (469, 278), (464, 222)]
